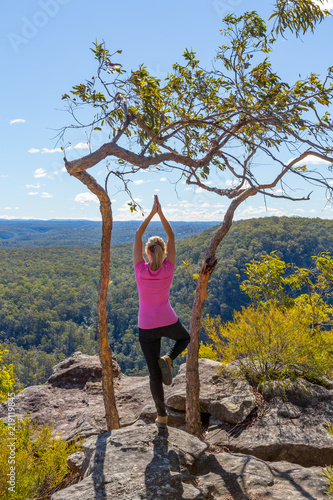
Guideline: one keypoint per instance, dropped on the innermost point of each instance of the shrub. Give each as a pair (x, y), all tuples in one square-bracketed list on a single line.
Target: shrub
[(207, 351), (7, 380), (39, 461), (270, 343)]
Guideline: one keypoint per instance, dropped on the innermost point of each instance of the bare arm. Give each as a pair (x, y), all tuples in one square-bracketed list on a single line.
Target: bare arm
[(138, 245), (170, 246)]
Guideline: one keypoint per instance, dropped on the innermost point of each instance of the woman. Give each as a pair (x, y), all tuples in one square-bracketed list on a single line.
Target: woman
[(156, 317)]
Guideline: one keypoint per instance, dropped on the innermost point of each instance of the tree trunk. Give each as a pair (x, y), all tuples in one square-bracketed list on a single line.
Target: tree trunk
[(112, 418), (193, 416), (105, 354)]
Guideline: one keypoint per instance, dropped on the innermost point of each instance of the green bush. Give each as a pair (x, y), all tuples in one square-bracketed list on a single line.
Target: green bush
[(7, 380), (271, 343), (38, 460)]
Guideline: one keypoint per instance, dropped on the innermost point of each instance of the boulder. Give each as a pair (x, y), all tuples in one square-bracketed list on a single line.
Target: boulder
[(222, 395), (240, 477), (286, 432), (300, 392), (71, 399), (78, 369), (137, 462)]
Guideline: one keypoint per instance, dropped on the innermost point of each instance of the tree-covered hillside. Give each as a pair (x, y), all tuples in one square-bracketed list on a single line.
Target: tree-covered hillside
[(48, 294), (22, 233)]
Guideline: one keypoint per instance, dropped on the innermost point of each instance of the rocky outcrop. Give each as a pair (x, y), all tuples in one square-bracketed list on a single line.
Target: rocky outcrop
[(235, 476), (293, 428), (221, 394), (139, 462), (259, 447)]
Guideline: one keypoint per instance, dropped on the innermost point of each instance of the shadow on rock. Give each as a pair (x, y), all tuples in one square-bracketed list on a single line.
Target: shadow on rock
[(163, 476), (98, 475)]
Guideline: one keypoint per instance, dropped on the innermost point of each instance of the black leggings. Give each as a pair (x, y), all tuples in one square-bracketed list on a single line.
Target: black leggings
[(150, 341)]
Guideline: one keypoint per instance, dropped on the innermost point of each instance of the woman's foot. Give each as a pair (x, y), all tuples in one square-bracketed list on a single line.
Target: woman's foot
[(165, 363), (161, 422)]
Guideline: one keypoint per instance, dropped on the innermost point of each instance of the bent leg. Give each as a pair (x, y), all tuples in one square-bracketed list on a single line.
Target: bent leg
[(151, 352), (179, 333)]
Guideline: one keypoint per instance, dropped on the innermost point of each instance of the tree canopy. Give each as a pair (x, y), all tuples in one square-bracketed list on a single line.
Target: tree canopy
[(202, 121)]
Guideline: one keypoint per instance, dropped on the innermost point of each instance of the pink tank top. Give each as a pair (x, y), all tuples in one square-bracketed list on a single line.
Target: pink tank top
[(154, 287)]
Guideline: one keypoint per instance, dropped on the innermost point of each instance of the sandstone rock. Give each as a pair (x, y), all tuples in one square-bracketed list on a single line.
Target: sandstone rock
[(221, 394), (299, 391), (78, 369), (299, 438), (242, 476), (77, 462), (141, 463), (233, 409), (138, 462), (71, 399)]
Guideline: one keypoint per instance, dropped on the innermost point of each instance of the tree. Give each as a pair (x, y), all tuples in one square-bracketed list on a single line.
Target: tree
[(201, 122)]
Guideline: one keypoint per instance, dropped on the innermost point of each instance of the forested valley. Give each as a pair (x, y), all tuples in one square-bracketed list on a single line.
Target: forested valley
[(48, 293)]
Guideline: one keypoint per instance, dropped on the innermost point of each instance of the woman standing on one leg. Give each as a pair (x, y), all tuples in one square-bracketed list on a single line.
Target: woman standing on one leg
[(157, 319)]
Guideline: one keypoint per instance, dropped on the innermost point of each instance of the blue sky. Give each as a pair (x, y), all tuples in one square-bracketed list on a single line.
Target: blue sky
[(45, 51)]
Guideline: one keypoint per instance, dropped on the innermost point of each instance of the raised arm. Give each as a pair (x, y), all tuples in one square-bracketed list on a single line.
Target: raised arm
[(170, 246), (138, 245)]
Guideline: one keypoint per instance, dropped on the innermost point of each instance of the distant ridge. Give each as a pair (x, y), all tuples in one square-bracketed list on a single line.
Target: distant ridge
[(23, 233)]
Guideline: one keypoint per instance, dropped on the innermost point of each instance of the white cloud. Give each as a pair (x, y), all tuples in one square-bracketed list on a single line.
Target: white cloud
[(157, 190), (33, 186), (39, 172), (139, 181), (32, 193), (86, 198), (55, 150), (260, 210), (327, 4), (81, 145), (188, 188), (163, 179), (299, 210), (279, 191), (138, 200), (3, 176), (311, 159), (46, 195), (7, 208), (18, 120)]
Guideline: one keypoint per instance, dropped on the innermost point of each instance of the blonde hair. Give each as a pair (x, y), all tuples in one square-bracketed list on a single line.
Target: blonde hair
[(156, 247)]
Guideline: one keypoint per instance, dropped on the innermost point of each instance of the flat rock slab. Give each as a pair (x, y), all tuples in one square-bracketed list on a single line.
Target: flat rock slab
[(141, 463), (135, 463), (240, 477), (285, 432)]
